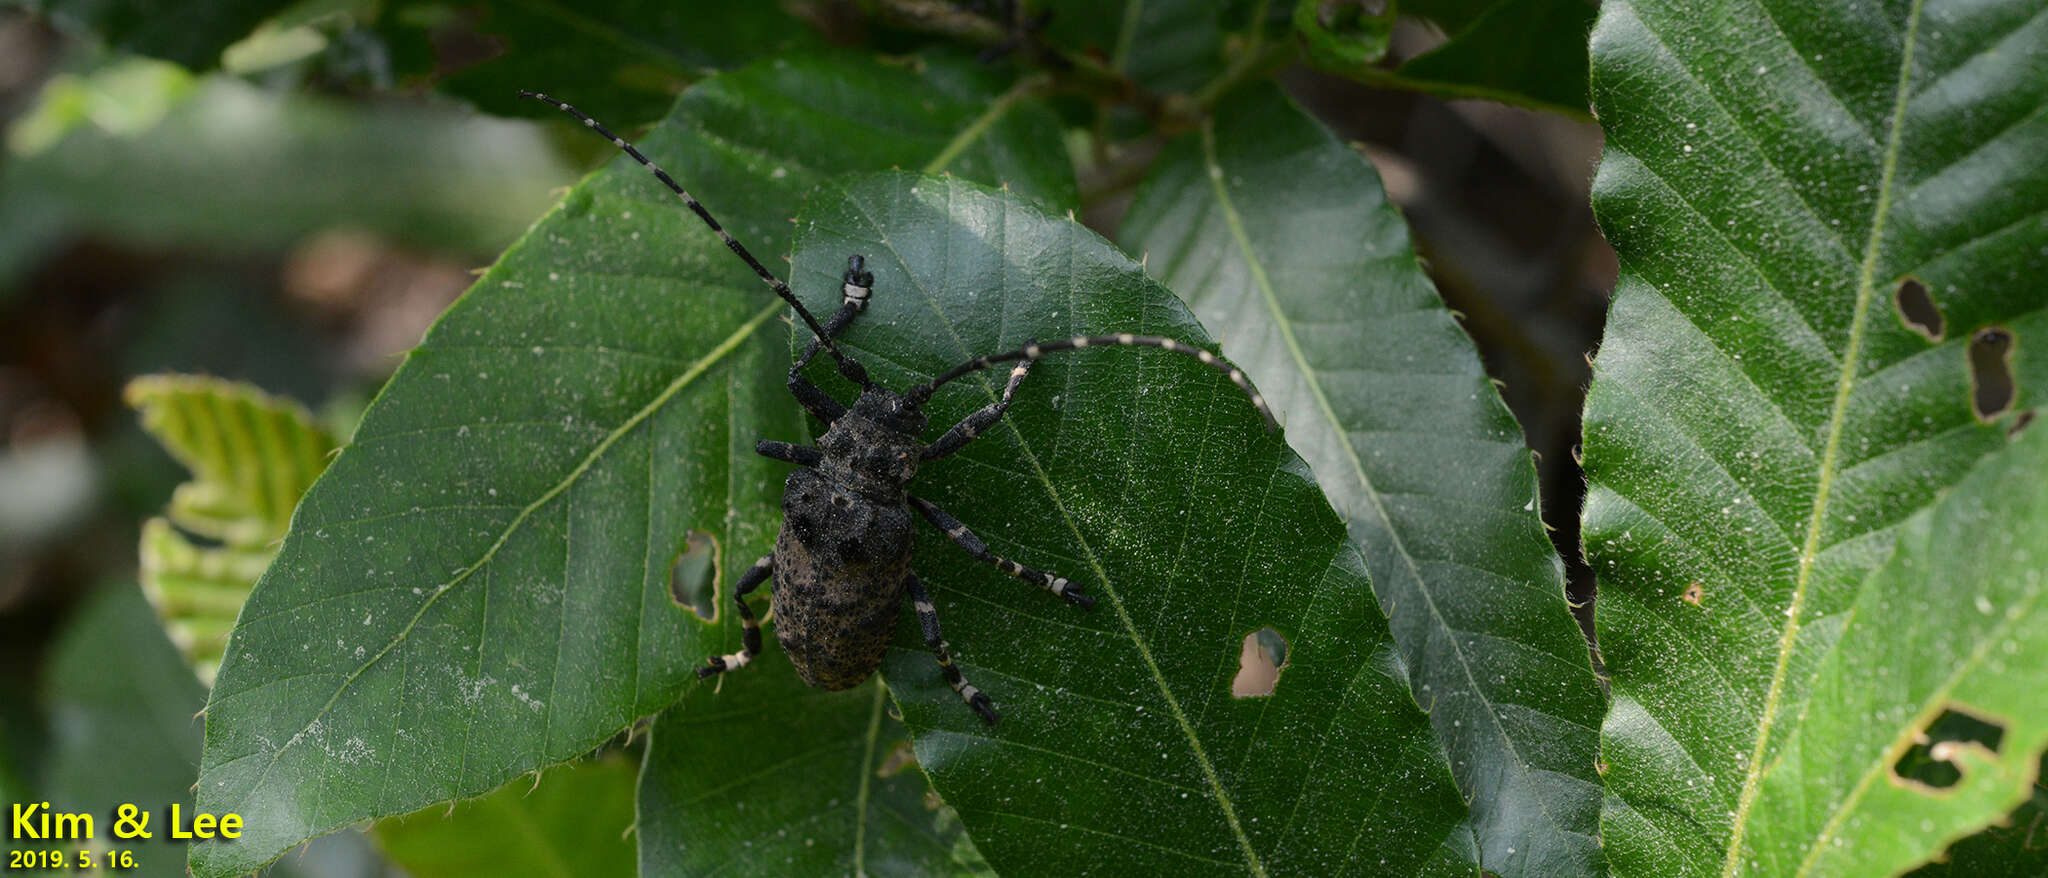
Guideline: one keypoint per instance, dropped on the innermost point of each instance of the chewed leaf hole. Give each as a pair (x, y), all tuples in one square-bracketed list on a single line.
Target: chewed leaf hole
[(693, 577), (1992, 388), (1931, 760), (2025, 418), (1694, 594), (1259, 663), (1917, 309), (898, 758)]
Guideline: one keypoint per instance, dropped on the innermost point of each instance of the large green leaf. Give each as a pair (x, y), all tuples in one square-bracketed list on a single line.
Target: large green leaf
[(478, 586), (1762, 416), (1270, 226), (1973, 568), (1147, 478)]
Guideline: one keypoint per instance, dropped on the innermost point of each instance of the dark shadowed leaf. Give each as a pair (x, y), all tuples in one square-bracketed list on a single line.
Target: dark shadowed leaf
[(1763, 417), (1146, 477), (625, 61), (1163, 45), (1529, 53), (478, 586), (190, 34), (1271, 227)]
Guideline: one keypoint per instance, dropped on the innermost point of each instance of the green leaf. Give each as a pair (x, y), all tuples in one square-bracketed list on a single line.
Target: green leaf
[(1529, 53), (765, 775), (1763, 414), (1163, 45), (251, 455), (1270, 226), (190, 34), (1526, 52), (1146, 477), (1344, 34), (122, 708), (625, 62), (479, 585), (571, 821), (1973, 570)]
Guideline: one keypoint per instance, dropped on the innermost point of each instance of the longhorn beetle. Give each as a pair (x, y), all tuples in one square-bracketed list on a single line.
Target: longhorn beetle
[(841, 564)]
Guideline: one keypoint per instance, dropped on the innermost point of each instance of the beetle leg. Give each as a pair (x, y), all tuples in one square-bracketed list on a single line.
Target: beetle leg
[(801, 455), (972, 425), (965, 539), (928, 619), (856, 286), (751, 634)]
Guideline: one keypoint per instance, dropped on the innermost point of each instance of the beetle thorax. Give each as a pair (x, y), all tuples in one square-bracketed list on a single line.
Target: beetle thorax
[(873, 449)]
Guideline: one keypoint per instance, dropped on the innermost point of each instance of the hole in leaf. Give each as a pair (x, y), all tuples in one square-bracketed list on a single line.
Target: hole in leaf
[(1694, 594), (2026, 417), (899, 757), (1917, 309), (1931, 760), (1992, 388), (693, 577), (1259, 664)]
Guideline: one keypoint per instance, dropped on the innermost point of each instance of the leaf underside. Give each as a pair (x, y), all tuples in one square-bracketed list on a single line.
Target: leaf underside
[(1272, 227), (1762, 417)]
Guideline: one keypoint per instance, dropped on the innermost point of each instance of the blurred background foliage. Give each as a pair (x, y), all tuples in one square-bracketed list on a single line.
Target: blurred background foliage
[(287, 194)]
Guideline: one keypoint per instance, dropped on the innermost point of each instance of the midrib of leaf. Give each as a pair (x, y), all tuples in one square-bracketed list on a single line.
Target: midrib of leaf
[(1214, 170), (1845, 384), (980, 125), (731, 343), (1936, 702), (1038, 472), (867, 775)]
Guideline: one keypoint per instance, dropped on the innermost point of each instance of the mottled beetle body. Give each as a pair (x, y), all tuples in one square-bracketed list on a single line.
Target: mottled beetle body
[(841, 564), (843, 555)]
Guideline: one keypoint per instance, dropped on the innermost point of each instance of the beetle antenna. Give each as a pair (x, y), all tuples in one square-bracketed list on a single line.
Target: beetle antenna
[(847, 366), (1033, 351)]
